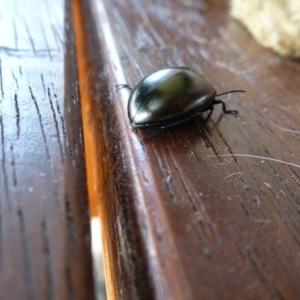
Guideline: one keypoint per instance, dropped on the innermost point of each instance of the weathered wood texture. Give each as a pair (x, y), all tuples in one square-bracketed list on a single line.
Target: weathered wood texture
[(185, 215), (44, 222)]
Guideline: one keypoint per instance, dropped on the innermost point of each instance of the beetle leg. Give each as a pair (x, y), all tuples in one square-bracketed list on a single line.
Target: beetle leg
[(225, 111), (207, 118), (123, 85)]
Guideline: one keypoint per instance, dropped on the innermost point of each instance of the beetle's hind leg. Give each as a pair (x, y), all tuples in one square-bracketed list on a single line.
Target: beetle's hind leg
[(207, 118), (225, 111)]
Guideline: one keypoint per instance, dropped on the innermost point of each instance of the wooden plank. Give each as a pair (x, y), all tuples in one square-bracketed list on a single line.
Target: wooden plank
[(189, 214), (44, 221)]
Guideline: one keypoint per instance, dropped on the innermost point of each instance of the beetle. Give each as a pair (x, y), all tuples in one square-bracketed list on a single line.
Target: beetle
[(171, 96)]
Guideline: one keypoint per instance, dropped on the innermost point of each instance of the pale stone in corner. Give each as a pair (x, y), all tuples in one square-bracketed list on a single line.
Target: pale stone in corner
[(274, 24)]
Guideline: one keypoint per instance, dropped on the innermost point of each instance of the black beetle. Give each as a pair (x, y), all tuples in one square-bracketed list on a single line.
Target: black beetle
[(172, 96)]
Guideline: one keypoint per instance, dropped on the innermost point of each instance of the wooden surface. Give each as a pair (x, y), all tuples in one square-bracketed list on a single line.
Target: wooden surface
[(44, 222), (189, 214), (185, 214)]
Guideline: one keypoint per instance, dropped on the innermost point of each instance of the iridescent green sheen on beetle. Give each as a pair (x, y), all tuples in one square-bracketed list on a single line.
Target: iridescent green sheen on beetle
[(172, 96)]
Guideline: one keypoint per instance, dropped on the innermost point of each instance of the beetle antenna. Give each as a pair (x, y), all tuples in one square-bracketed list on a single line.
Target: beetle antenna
[(233, 91)]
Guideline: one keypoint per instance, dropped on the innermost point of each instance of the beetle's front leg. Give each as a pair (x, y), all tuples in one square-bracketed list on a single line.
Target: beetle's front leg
[(225, 111)]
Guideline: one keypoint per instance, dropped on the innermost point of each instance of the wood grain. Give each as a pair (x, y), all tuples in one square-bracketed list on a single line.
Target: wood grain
[(189, 214), (44, 221)]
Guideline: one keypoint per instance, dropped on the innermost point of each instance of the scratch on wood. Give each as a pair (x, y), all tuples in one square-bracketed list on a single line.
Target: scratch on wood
[(1, 80), (56, 126), (48, 262), (15, 79), (261, 158), (45, 39), (70, 221), (26, 252), (30, 37), (15, 34), (3, 162), (261, 221), (58, 39), (40, 121), (62, 121), (71, 229), (236, 160), (244, 208), (283, 192), (258, 201), (13, 164), (43, 82), (230, 175), (17, 110), (285, 129)]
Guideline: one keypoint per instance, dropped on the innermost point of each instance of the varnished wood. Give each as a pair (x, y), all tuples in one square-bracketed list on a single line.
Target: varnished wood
[(189, 214), (44, 221)]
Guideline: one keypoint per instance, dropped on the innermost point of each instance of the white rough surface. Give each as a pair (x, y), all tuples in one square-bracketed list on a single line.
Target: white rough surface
[(274, 24)]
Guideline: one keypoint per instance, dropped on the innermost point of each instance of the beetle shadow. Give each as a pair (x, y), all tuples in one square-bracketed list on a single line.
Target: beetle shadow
[(177, 136)]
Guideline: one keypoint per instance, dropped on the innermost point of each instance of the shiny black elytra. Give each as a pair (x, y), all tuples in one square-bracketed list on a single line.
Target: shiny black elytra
[(172, 96)]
